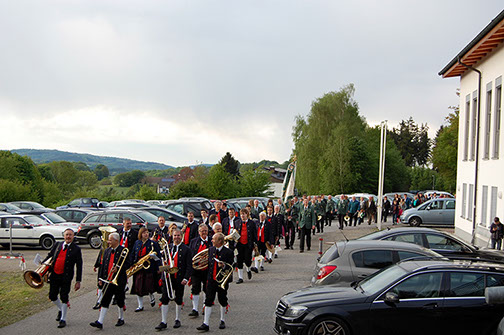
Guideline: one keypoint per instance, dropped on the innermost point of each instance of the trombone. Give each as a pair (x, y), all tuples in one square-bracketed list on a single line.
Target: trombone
[(119, 265), (167, 267)]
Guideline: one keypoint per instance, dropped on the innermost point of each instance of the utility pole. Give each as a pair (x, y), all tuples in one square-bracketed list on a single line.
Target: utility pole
[(381, 177)]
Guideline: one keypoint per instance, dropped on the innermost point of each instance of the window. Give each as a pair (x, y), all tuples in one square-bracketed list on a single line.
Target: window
[(375, 259), (436, 205), (67, 215), (467, 128), (474, 121), (93, 218), (493, 203), (495, 280), (179, 208), (407, 255), (497, 117), (471, 203), (466, 284), (112, 218), (464, 200), (450, 204), (440, 242), (16, 223), (78, 216), (408, 238), (484, 205), (425, 285), (86, 201), (486, 152), (75, 202)]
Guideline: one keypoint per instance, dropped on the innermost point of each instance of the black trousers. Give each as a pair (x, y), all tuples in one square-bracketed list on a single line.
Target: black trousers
[(384, 215), (198, 281), (111, 291), (214, 289), (328, 218), (305, 234), (178, 290), (341, 220), (290, 234), (320, 224), (57, 286), (261, 246), (244, 255)]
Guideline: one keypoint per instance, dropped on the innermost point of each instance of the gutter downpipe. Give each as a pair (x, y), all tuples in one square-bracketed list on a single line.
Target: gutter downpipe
[(476, 165)]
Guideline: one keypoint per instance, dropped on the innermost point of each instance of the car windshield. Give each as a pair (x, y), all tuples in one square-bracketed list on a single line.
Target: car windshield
[(147, 217), (54, 218), (372, 236), (381, 279), (36, 205), (35, 220)]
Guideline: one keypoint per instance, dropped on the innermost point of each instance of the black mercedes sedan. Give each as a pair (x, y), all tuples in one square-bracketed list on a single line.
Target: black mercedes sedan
[(411, 297)]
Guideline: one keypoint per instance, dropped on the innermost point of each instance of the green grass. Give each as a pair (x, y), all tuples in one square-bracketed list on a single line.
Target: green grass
[(18, 300)]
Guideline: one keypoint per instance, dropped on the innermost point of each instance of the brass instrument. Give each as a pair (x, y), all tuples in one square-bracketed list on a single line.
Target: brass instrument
[(346, 218), (256, 251), (106, 231), (183, 230), (120, 262), (167, 267), (143, 263), (36, 279), (270, 248), (224, 274), (200, 260), (361, 215), (154, 236), (319, 217)]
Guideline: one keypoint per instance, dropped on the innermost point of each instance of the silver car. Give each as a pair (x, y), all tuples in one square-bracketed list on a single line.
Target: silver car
[(348, 261), (437, 212)]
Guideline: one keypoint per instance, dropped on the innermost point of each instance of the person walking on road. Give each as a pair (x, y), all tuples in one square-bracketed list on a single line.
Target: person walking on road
[(497, 230), (307, 221)]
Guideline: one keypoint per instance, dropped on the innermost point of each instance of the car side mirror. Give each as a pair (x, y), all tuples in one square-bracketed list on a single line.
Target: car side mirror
[(28, 227), (391, 298)]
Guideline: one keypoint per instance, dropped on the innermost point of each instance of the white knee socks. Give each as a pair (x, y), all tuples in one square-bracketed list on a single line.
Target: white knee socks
[(121, 313), (140, 301), (164, 313), (100, 296), (222, 313), (64, 309), (195, 301), (208, 311), (103, 312), (240, 273), (57, 302), (178, 308), (256, 261)]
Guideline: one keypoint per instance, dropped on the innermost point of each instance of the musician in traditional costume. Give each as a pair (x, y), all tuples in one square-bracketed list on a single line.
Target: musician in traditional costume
[(248, 237), (199, 276), (228, 224), (161, 230), (264, 234), (190, 229)]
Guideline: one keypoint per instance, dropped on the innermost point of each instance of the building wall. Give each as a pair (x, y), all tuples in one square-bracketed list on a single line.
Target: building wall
[(490, 186), (276, 188)]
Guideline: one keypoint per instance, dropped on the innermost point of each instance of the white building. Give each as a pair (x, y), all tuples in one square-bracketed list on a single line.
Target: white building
[(480, 166)]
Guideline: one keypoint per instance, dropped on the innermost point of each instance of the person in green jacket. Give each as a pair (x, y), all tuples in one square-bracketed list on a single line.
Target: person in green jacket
[(307, 221), (342, 210), (329, 210)]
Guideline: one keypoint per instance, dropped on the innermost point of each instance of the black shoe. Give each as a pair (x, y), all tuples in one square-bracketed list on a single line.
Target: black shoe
[(194, 313), (96, 324), (262, 268), (222, 325), (308, 249), (161, 326), (270, 260), (139, 309), (276, 256), (177, 324), (152, 302), (114, 301), (97, 306), (62, 324), (59, 316), (119, 323), (203, 328), (253, 269), (239, 281), (300, 251), (249, 274)]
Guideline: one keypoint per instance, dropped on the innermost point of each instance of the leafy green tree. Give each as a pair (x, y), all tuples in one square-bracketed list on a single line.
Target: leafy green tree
[(81, 166), (413, 142), (255, 183), (101, 171), (146, 193), (425, 179), (190, 188), (230, 164), (21, 170), (130, 178), (444, 154), (14, 190), (220, 184)]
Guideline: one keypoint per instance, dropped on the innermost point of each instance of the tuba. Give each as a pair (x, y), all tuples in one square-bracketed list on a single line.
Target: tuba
[(346, 218), (200, 260), (143, 263), (106, 231), (222, 277), (36, 279)]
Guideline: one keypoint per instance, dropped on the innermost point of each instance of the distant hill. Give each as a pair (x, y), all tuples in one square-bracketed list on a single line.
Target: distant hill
[(114, 164)]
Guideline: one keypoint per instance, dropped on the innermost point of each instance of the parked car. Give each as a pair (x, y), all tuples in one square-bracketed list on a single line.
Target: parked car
[(438, 241), (9, 208), (128, 203), (55, 219), (411, 297), (167, 214), (184, 206), (390, 196), (438, 193), (438, 212), (29, 230), (74, 214), (88, 229), (30, 205), (82, 202), (348, 261)]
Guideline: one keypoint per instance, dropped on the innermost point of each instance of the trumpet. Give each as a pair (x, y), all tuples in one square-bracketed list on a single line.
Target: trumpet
[(224, 274), (143, 263), (200, 260), (36, 279), (118, 265)]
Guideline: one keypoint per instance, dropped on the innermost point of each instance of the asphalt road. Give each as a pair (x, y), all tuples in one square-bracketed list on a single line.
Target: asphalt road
[(252, 304)]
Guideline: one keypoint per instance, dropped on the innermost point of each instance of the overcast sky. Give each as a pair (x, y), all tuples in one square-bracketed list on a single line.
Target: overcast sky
[(180, 82)]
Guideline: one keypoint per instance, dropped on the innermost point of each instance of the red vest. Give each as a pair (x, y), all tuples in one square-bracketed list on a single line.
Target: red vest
[(111, 264), (59, 265), (244, 234), (260, 234), (202, 246)]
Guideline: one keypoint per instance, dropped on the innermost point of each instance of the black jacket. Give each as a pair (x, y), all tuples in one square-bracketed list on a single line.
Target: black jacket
[(161, 233), (184, 262), (73, 258), (132, 237), (103, 274), (251, 231), (225, 225), (222, 214), (268, 232), (195, 244), (192, 230), (279, 220), (149, 246), (225, 255)]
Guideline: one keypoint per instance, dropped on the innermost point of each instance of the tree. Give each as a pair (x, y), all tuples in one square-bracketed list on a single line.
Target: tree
[(425, 179), (255, 183), (101, 171), (81, 166), (444, 153), (231, 165), (220, 184), (190, 188), (130, 178), (146, 193), (413, 142)]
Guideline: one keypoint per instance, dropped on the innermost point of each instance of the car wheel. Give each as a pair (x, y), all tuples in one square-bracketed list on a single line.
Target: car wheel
[(47, 242), (415, 222), (95, 240), (329, 325)]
